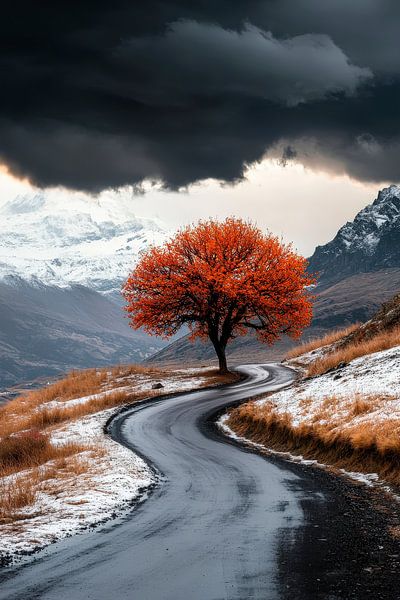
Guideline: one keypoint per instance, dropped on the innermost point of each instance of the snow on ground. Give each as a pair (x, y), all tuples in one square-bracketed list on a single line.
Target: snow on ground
[(373, 375), (305, 359), (105, 481), (114, 478)]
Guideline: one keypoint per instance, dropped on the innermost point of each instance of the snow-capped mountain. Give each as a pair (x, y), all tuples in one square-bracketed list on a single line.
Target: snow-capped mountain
[(369, 243), (92, 242)]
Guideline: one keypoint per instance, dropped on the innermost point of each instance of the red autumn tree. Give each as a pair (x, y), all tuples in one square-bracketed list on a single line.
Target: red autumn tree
[(220, 279)]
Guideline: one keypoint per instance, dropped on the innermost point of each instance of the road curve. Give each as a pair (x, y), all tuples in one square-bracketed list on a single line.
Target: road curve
[(224, 522)]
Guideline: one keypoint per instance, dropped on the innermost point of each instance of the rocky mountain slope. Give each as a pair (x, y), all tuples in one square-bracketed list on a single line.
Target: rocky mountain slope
[(369, 243), (386, 319)]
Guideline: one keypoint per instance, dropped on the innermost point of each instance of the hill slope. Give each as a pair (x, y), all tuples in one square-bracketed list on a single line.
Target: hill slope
[(347, 413), (45, 330)]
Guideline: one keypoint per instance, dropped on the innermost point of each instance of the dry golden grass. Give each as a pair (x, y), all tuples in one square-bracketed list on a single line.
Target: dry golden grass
[(21, 413), (42, 417), (30, 411), (31, 449), (351, 439), (77, 384), (313, 344), (58, 476), (15, 495), (361, 407), (345, 354)]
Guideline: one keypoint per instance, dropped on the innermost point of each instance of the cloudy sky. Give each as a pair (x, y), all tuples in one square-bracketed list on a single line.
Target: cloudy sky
[(293, 106)]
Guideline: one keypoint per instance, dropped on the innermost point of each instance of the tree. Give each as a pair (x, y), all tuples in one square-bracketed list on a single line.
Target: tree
[(220, 279)]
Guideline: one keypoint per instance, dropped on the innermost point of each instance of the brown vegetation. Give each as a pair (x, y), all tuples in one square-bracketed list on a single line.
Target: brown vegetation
[(347, 353), (42, 417), (14, 495), (110, 388), (55, 477), (31, 449), (325, 340), (77, 384), (349, 439)]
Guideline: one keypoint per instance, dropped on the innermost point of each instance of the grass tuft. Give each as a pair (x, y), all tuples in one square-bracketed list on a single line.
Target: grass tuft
[(15, 495), (347, 353), (30, 449), (326, 340)]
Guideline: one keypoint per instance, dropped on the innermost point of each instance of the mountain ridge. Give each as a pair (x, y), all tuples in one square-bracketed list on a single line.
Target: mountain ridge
[(89, 242), (47, 330), (368, 243), (61, 270)]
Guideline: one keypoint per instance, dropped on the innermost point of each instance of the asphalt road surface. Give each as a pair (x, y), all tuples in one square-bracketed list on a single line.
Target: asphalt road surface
[(223, 522)]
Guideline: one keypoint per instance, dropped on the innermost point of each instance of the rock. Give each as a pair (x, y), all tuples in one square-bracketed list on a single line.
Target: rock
[(342, 365), (157, 386)]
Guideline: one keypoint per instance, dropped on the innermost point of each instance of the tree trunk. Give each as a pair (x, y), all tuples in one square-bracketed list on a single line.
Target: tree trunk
[(223, 366), (220, 351)]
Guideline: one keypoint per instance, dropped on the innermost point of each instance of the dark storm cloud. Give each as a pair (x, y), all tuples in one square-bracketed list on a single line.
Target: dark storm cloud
[(205, 60), (97, 95)]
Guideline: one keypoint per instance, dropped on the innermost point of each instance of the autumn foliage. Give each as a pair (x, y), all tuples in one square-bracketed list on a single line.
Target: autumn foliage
[(220, 279)]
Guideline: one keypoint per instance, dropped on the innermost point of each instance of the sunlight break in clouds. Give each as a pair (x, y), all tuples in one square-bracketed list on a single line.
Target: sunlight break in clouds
[(303, 206)]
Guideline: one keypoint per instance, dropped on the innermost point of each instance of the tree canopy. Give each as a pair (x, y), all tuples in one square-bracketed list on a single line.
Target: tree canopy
[(221, 279)]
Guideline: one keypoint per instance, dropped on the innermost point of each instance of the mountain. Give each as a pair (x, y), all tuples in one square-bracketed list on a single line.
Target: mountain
[(367, 244), (59, 242), (46, 330), (358, 270), (62, 263)]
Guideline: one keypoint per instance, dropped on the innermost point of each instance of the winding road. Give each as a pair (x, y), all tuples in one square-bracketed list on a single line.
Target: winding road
[(223, 523)]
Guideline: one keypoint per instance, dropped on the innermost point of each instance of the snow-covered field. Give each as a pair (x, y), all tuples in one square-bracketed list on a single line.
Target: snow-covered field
[(103, 481)]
